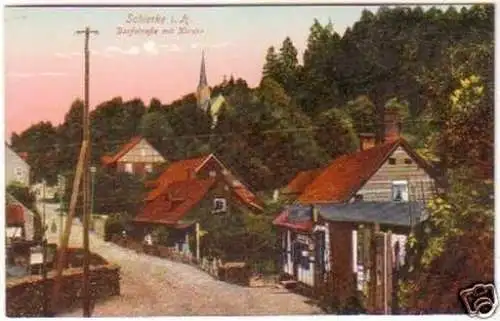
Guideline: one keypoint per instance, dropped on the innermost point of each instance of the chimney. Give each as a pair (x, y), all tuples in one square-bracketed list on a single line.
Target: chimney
[(366, 141), (392, 122)]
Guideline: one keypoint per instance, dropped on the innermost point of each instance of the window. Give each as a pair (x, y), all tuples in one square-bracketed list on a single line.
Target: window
[(18, 171), (129, 168), (143, 152), (148, 168), (358, 198), (392, 161), (408, 161), (212, 173), (400, 191), (220, 205)]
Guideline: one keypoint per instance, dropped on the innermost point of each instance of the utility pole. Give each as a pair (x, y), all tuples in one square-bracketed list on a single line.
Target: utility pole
[(62, 185), (85, 178), (44, 254)]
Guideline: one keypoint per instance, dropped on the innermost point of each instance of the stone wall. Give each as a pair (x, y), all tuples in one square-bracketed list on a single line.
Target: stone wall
[(25, 296)]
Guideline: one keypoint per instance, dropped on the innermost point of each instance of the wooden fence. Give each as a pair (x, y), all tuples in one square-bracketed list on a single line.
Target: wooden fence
[(232, 272)]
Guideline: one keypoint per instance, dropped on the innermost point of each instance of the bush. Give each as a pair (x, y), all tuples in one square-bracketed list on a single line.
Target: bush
[(160, 235)]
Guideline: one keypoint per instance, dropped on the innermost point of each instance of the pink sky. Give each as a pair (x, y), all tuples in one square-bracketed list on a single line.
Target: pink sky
[(44, 64)]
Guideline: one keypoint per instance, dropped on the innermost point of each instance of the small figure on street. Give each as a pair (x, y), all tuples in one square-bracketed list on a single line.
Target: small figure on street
[(53, 227), (148, 239)]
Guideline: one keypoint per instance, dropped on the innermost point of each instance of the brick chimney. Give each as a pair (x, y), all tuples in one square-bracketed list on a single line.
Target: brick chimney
[(392, 122), (366, 141)]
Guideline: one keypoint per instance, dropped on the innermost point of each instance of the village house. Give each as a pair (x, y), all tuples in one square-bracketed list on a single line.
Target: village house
[(381, 187), (16, 167), (191, 191), (138, 156)]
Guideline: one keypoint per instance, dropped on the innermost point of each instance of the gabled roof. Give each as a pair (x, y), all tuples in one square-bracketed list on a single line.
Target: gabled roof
[(347, 174), (180, 198), (177, 171), (107, 160), (301, 180), (23, 156)]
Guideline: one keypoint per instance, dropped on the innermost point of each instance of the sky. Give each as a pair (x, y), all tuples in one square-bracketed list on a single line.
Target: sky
[(44, 64)]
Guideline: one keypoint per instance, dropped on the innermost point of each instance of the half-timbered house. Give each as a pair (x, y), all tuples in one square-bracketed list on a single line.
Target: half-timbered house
[(138, 156)]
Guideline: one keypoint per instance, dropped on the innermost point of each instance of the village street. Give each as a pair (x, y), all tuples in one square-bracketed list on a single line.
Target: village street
[(151, 286)]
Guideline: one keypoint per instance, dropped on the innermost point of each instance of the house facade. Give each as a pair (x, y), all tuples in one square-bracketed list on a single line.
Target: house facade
[(16, 168), (382, 185), (138, 156), (193, 191)]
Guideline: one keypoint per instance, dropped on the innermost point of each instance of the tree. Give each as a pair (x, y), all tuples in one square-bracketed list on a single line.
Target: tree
[(459, 231), (271, 66), (335, 126), (40, 142), (114, 193), (363, 114)]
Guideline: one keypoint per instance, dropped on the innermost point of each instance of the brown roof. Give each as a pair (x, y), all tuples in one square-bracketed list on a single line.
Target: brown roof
[(108, 160), (177, 171), (14, 215), (176, 202), (301, 180), (348, 173)]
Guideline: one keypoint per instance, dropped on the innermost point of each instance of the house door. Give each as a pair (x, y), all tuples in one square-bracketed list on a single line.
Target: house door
[(320, 255)]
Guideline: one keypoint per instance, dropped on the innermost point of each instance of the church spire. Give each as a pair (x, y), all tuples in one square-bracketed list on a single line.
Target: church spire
[(203, 73), (203, 92)]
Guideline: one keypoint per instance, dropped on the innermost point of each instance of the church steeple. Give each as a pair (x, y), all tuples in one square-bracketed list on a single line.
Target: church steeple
[(203, 73), (203, 91)]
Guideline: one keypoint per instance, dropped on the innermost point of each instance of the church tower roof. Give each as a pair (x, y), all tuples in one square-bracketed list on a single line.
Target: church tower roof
[(203, 73)]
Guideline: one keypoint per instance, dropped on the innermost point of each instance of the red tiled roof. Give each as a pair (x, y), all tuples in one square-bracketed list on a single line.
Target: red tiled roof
[(346, 174), (247, 197), (301, 180), (177, 171), (107, 160), (179, 199), (282, 221), (15, 215)]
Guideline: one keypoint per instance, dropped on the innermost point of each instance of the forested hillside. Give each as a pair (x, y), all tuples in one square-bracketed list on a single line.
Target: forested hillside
[(303, 115)]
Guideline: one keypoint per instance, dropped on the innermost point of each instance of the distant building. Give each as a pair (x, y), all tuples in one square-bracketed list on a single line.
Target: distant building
[(211, 105), (16, 167), (136, 157)]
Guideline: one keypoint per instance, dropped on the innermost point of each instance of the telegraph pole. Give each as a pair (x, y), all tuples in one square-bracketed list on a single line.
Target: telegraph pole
[(85, 178)]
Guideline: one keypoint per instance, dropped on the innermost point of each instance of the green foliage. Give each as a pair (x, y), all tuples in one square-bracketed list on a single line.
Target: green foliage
[(335, 126), (161, 235), (466, 210), (113, 193), (362, 112)]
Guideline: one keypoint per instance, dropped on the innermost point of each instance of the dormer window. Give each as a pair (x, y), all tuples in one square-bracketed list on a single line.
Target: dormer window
[(400, 191), (392, 161), (220, 205)]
